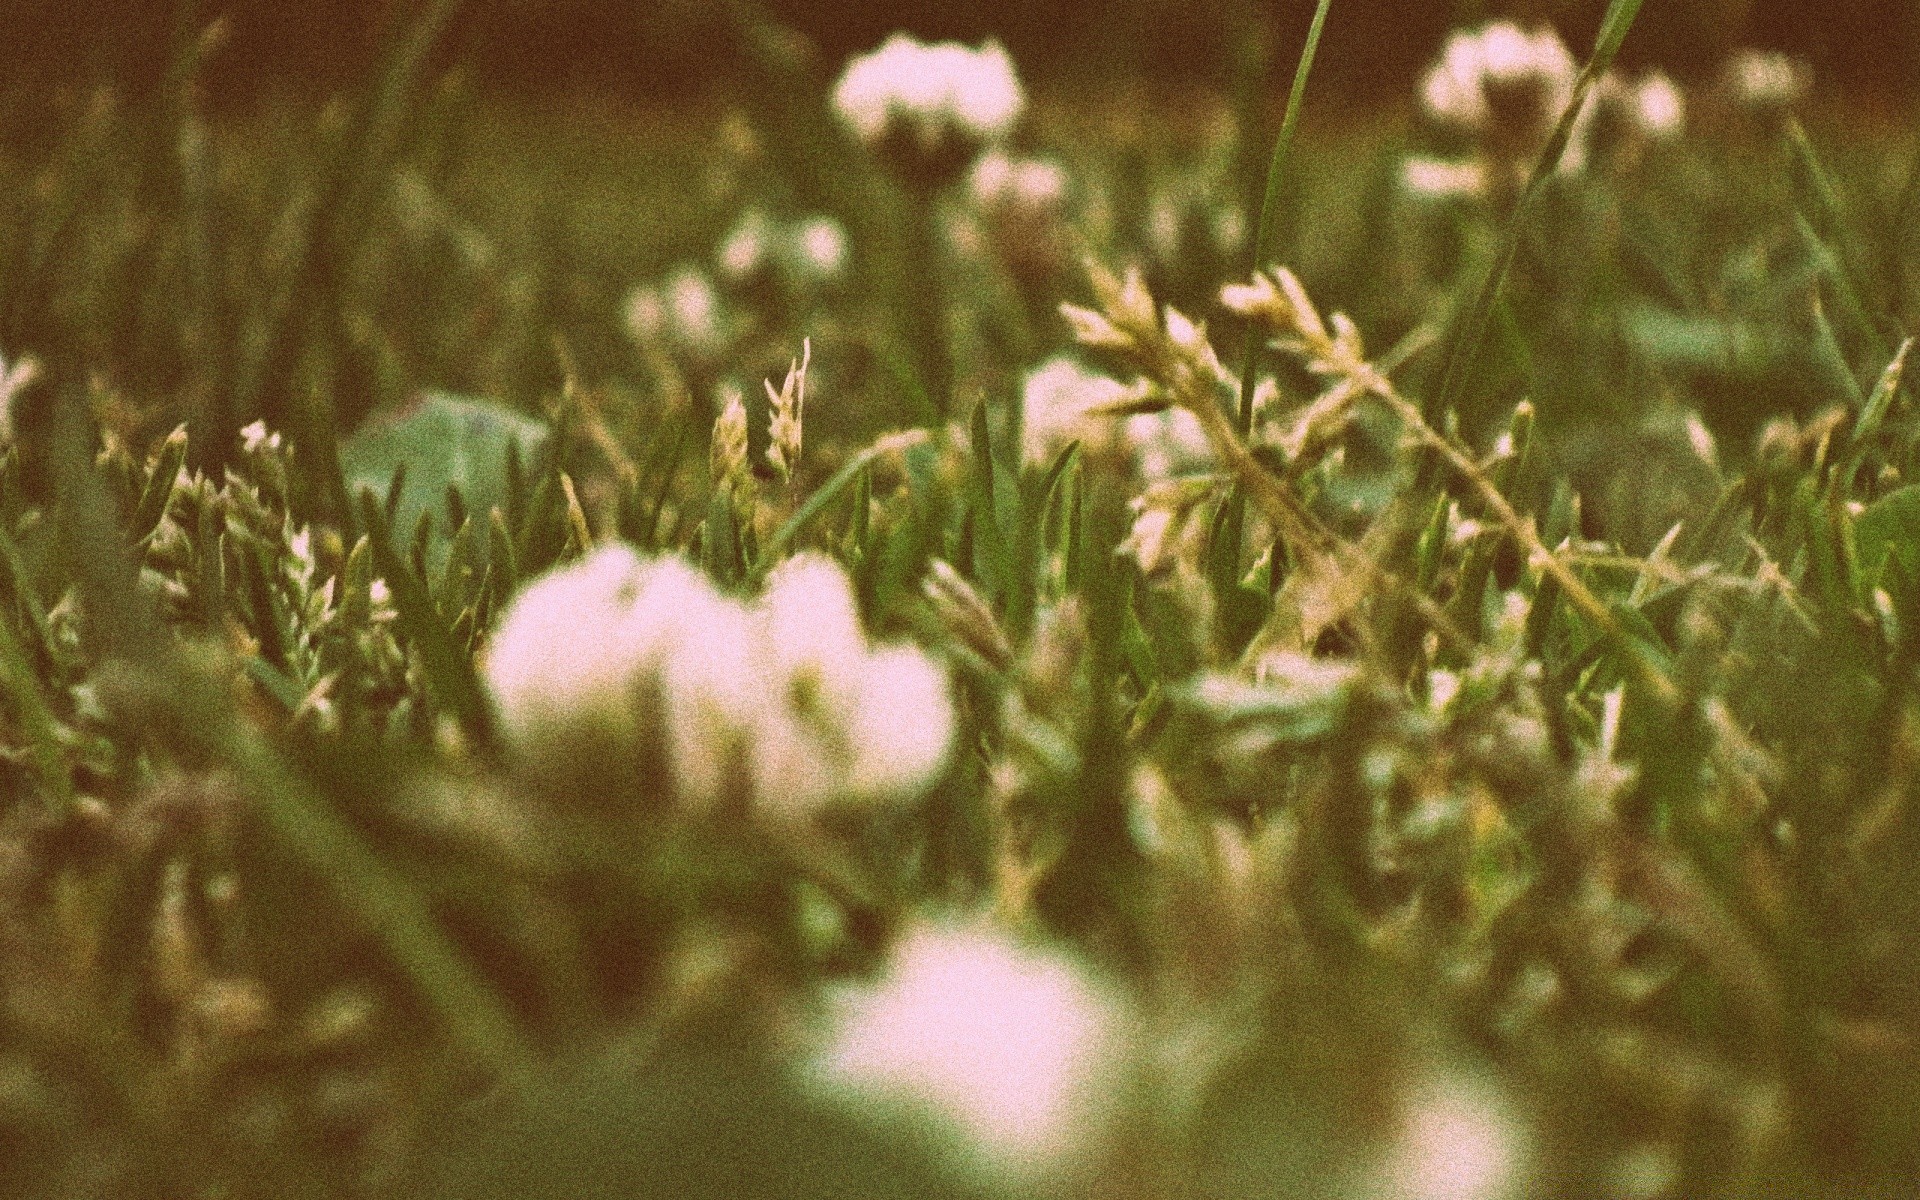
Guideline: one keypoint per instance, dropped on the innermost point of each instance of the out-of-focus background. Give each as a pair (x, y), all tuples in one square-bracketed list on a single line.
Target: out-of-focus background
[(667, 49)]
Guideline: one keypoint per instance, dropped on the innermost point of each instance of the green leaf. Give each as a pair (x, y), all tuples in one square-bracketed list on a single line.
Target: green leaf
[(1889, 530), (441, 442)]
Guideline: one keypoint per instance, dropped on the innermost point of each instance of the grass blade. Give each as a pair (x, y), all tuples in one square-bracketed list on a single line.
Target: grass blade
[(1464, 347)]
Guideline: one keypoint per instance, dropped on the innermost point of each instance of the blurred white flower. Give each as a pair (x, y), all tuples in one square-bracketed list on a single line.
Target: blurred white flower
[(781, 704), (847, 719), (811, 251), (1659, 105), (746, 247), (1442, 180), (712, 684), (822, 246), (999, 180), (931, 92), (1764, 79), (683, 311), (1459, 1140), (1013, 1048), (1500, 75), (1058, 404), (561, 660)]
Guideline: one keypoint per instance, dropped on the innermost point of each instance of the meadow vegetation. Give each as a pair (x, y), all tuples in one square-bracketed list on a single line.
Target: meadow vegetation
[(883, 634)]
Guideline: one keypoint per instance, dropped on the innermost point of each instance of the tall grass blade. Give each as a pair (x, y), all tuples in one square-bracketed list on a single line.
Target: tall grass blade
[(1464, 347)]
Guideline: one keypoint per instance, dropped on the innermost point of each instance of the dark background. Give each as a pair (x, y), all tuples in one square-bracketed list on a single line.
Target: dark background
[(665, 49)]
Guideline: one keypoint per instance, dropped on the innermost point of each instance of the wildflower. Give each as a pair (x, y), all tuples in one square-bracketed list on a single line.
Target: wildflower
[(999, 181), (1502, 82), (560, 662), (847, 719), (1767, 81), (780, 705), (822, 246), (1440, 180), (932, 92), (1062, 402), (802, 253), (1458, 1141), (1012, 1048), (746, 248), (1624, 116), (683, 311)]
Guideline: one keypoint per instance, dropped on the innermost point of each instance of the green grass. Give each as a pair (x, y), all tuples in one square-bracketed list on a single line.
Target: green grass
[(1556, 759)]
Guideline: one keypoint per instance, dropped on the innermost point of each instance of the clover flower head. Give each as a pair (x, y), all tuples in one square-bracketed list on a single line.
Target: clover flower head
[(1768, 80), (1458, 1140), (1658, 105), (1001, 181), (822, 246), (560, 660), (682, 311), (1011, 1047), (932, 92), (1500, 76), (850, 719), (805, 252), (1060, 402)]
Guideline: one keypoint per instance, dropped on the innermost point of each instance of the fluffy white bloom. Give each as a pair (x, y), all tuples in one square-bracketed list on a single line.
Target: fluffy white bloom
[(561, 659), (847, 719), (822, 246), (1659, 105), (1058, 404), (808, 251), (746, 246), (1763, 79), (1465, 88), (1442, 180), (1001, 181), (1458, 1141), (712, 684), (683, 311), (932, 90), (1013, 1048), (781, 703)]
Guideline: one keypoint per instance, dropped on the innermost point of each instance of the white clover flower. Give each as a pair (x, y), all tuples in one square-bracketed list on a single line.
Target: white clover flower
[(683, 311), (562, 659), (1439, 179), (999, 180), (809, 251), (1014, 1049), (932, 92), (1459, 1140), (1763, 79), (746, 247), (712, 684), (822, 247), (1500, 73), (1058, 404), (1659, 105), (848, 719), (781, 704)]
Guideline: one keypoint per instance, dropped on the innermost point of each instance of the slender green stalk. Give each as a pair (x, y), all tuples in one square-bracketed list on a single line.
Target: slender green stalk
[(1268, 228), (1464, 347)]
